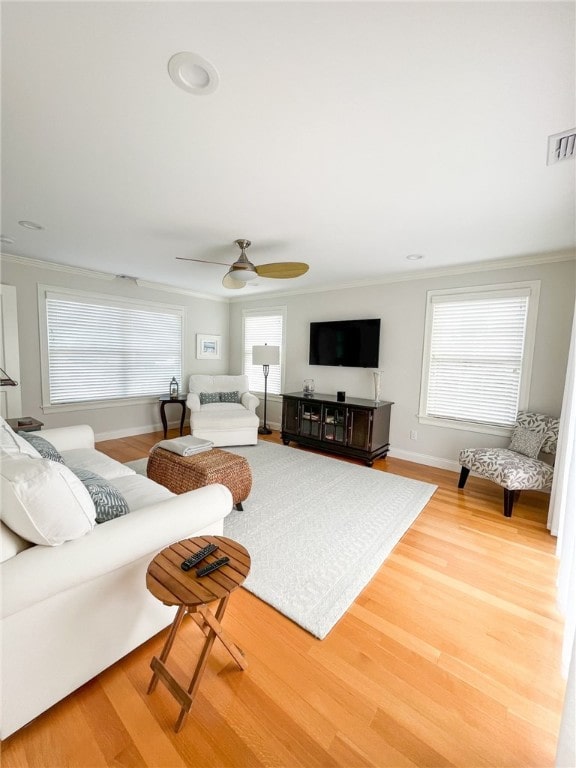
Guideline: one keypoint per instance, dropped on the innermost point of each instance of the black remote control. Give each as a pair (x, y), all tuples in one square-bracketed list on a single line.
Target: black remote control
[(194, 559), (206, 569)]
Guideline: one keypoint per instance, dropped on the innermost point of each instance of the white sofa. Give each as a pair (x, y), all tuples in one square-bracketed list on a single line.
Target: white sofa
[(72, 610), (224, 423)]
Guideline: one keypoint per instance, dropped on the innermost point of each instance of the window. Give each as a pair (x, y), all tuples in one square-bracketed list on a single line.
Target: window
[(100, 349), (263, 326), (477, 356)]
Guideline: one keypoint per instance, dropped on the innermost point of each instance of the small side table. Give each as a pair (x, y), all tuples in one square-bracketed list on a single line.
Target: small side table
[(181, 400), (25, 424), (173, 586)]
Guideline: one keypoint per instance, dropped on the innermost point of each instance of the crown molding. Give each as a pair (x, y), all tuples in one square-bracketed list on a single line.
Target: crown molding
[(106, 276), (400, 277), (26, 261), (182, 291), (427, 274)]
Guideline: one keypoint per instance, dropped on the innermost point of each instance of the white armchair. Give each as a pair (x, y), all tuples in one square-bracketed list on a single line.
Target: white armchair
[(223, 410)]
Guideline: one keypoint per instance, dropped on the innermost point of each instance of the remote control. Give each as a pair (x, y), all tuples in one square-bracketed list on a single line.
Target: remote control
[(194, 559), (206, 569)]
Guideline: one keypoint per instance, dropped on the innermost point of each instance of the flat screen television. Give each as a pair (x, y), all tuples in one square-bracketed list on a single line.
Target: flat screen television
[(351, 343)]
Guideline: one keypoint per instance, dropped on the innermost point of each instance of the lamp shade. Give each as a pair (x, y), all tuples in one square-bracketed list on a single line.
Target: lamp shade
[(243, 275), (265, 355)]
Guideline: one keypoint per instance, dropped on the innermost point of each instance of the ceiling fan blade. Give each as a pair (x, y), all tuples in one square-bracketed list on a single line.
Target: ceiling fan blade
[(283, 269), (229, 282), (201, 261)]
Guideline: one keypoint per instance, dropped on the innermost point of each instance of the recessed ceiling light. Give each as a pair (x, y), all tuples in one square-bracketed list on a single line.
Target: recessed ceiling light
[(30, 225), (6, 239), (193, 73), (415, 257)]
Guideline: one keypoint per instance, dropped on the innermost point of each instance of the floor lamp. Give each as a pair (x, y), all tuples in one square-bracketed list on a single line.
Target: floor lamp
[(265, 356)]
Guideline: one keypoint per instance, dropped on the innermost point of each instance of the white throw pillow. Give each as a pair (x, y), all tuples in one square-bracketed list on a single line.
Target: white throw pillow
[(12, 444), (43, 501), (10, 543)]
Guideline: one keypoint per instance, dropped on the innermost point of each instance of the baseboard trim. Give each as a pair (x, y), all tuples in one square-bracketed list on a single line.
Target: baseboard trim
[(424, 458), (416, 458), (396, 453), (132, 431)]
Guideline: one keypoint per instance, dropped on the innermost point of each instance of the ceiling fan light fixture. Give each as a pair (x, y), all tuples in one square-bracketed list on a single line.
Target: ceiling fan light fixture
[(243, 275), (243, 271)]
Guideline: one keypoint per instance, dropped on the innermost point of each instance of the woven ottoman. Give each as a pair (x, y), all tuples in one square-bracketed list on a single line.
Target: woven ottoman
[(185, 473)]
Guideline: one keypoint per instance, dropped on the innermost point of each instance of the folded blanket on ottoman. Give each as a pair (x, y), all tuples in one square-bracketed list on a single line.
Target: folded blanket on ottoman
[(185, 446)]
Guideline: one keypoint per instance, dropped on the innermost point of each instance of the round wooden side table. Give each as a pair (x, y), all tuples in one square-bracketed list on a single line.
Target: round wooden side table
[(167, 581)]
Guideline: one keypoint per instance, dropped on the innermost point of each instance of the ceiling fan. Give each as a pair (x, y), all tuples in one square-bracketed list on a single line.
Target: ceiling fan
[(242, 271)]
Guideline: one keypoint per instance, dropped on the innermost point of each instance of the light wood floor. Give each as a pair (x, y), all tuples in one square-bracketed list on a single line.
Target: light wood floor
[(450, 656)]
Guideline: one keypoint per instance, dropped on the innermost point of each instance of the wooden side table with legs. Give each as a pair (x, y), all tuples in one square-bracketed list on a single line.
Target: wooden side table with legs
[(25, 424), (192, 594), (164, 401)]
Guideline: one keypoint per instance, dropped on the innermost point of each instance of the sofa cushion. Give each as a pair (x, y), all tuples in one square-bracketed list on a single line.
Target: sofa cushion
[(199, 382), (140, 491), (227, 417), (509, 469), (209, 397), (545, 425), (13, 444), (10, 543), (95, 461), (216, 408), (526, 442), (44, 448), (108, 501), (43, 501), (230, 397)]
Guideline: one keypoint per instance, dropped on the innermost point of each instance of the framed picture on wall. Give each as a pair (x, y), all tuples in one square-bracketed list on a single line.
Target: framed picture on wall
[(207, 347)]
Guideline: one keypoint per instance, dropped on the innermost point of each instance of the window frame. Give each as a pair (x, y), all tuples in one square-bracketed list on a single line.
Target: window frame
[(44, 292), (531, 288), (266, 312)]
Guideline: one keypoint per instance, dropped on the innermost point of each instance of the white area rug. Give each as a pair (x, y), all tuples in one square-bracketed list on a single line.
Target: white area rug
[(317, 529)]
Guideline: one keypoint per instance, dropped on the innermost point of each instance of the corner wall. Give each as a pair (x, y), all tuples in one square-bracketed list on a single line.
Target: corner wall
[(402, 305), (203, 315)]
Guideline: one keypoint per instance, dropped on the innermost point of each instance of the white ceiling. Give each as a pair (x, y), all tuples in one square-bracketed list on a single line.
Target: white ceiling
[(345, 135)]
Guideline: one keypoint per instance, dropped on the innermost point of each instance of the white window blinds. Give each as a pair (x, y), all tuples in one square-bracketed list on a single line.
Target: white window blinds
[(476, 357), (100, 350), (266, 327)]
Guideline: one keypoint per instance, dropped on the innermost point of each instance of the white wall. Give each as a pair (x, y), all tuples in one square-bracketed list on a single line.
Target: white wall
[(203, 315), (10, 397), (401, 305)]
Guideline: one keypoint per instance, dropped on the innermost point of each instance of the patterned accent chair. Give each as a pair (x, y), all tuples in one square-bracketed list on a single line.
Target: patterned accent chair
[(518, 467)]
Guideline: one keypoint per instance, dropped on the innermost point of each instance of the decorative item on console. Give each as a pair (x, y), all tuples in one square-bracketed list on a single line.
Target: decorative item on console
[(173, 389), (377, 385), (308, 387)]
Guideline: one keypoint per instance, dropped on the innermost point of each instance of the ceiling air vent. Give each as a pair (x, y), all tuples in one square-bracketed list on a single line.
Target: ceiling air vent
[(561, 146)]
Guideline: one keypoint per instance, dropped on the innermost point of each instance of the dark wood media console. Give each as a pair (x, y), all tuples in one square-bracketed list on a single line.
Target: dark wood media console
[(355, 427)]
